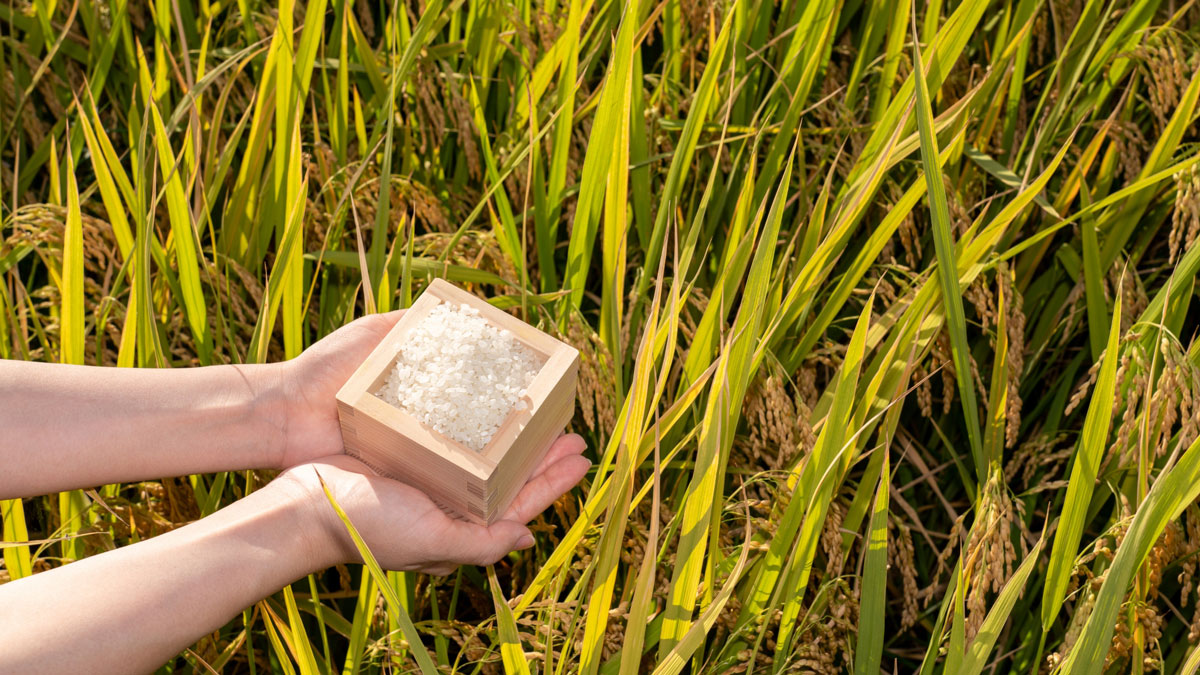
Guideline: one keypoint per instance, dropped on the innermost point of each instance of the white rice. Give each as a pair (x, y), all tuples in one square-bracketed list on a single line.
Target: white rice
[(460, 375)]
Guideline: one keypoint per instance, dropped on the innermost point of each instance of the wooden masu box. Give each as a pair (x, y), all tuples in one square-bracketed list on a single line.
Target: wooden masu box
[(478, 486)]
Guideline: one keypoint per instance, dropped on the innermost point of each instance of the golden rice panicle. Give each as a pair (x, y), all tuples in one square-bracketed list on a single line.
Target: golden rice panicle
[(944, 363), (1128, 145), (1015, 333), (980, 295), (597, 384), (1168, 74), (774, 426), (989, 555), (1185, 217), (901, 558)]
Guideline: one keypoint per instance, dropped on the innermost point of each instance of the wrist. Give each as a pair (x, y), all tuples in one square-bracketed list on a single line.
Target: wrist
[(322, 537), (269, 409), (275, 524)]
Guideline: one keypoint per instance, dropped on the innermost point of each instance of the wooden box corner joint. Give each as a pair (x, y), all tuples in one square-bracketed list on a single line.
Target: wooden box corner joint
[(478, 486)]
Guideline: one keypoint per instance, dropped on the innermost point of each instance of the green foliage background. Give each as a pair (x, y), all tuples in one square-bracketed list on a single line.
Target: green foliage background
[(880, 370)]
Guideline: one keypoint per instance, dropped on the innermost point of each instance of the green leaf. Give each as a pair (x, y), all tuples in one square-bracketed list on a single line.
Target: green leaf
[(1093, 443), (1093, 276), (16, 558), (947, 267), (675, 660), (611, 116), (997, 617), (869, 654), (395, 608), (70, 286), (301, 646), (1172, 492), (685, 147), (734, 371), (183, 238), (510, 641)]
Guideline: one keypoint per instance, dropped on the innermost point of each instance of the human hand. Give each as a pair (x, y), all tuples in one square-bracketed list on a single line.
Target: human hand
[(311, 381), (404, 529)]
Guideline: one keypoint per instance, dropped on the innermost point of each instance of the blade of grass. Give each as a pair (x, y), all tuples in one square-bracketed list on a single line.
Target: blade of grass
[(943, 239), (300, 644), (997, 617), (997, 408), (1093, 443), (547, 222), (265, 325), (511, 652), (72, 505), (685, 148), (869, 654), (109, 192), (614, 247), (364, 608), (722, 410), (277, 634), (816, 487), (183, 236), (627, 438), (404, 64), (635, 627), (71, 285), (17, 561), (1172, 492), (1093, 276), (395, 608), (611, 115), (675, 660)]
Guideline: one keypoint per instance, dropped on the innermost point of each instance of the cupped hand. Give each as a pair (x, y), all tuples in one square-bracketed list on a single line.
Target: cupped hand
[(406, 531), (311, 380)]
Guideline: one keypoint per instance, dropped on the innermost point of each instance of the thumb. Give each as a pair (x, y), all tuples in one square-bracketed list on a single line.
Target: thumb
[(383, 321), (479, 545)]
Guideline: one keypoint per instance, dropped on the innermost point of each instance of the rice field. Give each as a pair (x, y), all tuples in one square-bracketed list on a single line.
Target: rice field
[(887, 309)]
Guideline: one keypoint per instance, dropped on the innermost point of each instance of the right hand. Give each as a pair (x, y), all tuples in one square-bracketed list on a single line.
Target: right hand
[(405, 530)]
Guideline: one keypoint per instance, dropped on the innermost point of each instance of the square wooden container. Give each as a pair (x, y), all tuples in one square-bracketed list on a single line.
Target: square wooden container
[(478, 486)]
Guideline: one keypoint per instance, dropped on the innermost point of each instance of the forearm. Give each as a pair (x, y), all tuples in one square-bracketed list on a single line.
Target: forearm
[(132, 609), (73, 426)]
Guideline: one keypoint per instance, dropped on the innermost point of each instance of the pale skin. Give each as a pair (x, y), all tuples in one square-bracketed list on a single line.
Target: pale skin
[(132, 609)]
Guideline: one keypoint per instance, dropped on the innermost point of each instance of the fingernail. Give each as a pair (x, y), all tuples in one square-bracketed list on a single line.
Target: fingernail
[(525, 541)]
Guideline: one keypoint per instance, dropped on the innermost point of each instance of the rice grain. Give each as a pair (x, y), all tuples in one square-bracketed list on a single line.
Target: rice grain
[(460, 375)]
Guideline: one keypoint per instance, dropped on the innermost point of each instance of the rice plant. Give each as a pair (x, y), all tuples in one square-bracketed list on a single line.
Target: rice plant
[(887, 309)]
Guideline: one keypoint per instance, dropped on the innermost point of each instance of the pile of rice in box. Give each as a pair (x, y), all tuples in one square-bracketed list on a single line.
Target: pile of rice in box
[(460, 375)]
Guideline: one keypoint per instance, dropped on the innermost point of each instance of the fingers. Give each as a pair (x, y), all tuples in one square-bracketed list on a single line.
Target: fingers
[(543, 489), (564, 446), (406, 530), (445, 542), (473, 544), (382, 323), (347, 463)]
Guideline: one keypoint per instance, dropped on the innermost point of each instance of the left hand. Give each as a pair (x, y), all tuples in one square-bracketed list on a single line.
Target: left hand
[(312, 380)]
